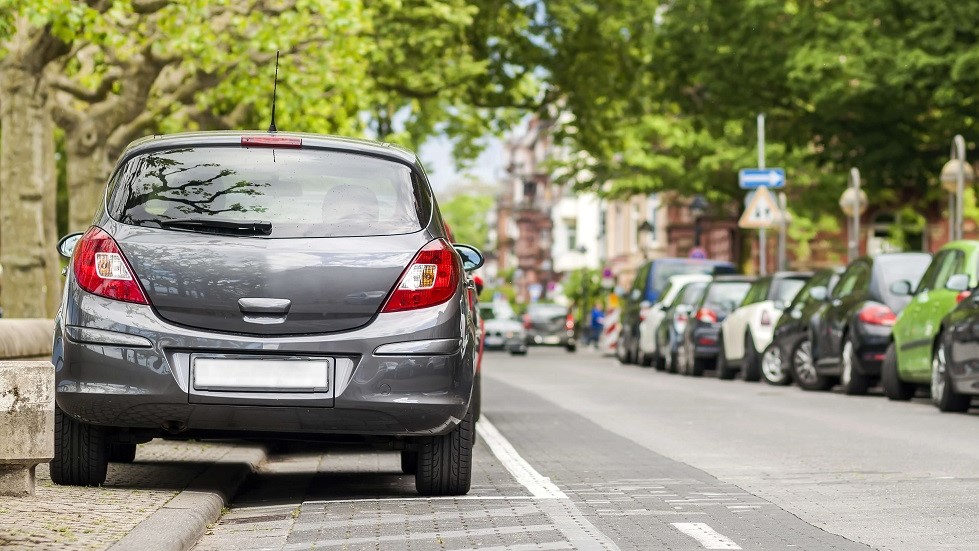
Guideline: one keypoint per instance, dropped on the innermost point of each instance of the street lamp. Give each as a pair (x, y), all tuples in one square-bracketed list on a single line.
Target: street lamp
[(955, 174), (645, 229), (853, 201), (697, 208)]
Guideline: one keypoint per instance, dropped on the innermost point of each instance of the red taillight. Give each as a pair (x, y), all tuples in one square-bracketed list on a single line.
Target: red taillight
[(101, 269), (877, 314), (431, 279), (569, 322), (281, 142), (681, 318), (962, 296), (766, 319), (706, 315), (526, 321)]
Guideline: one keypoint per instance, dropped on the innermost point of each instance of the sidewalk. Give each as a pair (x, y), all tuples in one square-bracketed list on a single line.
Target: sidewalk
[(69, 518)]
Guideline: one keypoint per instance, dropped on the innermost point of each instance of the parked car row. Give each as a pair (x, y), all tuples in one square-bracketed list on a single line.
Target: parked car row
[(908, 321)]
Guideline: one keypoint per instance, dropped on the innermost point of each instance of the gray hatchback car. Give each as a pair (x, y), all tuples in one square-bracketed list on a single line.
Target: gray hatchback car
[(267, 285)]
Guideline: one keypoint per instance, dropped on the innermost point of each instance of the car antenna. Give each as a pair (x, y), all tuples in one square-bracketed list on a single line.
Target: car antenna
[(275, 83)]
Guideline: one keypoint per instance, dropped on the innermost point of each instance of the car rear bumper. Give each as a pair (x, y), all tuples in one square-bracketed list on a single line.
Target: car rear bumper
[(410, 392), (705, 341)]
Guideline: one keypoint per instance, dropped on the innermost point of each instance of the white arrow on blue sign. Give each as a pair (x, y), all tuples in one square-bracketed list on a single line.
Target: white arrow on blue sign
[(754, 178)]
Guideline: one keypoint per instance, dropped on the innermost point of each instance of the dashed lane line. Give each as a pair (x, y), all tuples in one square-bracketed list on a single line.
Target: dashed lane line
[(707, 536)]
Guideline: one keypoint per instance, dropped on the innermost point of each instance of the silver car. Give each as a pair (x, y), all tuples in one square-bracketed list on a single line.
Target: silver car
[(273, 286)]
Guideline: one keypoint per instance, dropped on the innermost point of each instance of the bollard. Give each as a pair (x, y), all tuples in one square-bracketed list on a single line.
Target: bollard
[(26, 423)]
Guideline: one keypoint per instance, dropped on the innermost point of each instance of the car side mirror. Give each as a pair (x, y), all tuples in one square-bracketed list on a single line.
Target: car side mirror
[(67, 244), (901, 288), (958, 283), (471, 257), (819, 294)]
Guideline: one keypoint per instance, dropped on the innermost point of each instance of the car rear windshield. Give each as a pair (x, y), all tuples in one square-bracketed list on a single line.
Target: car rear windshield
[(787, 289), (727, 295), (546, 312), (663, 271), (282, 192)]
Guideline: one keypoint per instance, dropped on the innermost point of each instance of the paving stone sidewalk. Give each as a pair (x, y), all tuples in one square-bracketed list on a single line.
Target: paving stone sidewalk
[(70, 518)]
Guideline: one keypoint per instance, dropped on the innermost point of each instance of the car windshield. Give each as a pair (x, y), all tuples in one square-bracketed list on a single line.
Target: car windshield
[(663, 271), (546, 312), (691, 294), (282, 192), (896, 268), (787, 289), (496, 311), (727, 295)]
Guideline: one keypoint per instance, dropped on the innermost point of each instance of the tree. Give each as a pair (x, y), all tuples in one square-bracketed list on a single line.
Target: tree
[(466, 214)]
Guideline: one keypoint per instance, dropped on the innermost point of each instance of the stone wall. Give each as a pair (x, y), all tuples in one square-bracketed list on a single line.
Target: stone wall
[(25, 338)]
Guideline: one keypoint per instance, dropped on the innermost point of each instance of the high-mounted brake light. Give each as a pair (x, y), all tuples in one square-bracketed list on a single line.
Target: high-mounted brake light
[(877, 314), (101, 269), (431, 279), (281, 142)]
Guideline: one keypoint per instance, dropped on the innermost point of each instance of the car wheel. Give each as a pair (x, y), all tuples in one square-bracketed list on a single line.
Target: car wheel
[(518, 352), (853, 381), (571, 347), (80, 457), (620, 351), (772, 368), (942, 394), (409, 462), (681, 358), (121, 453), (445, 462), (804, 369), (751, 370), (476, 405), (723, 369), (894, 387), (698, 366)]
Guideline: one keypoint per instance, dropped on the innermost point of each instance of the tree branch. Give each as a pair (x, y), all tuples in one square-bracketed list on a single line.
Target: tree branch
[(68, 85)]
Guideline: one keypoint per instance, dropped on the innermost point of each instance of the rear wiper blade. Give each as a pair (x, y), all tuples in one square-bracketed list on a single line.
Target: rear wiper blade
[(250, 227)]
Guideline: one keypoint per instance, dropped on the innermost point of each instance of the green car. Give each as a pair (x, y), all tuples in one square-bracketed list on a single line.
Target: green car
[(907, 363)]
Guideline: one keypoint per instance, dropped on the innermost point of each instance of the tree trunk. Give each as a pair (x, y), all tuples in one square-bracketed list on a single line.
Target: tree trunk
[(88, 167), (31, 284)]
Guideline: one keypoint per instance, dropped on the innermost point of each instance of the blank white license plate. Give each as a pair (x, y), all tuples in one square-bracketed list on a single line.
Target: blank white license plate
[(269, 375)]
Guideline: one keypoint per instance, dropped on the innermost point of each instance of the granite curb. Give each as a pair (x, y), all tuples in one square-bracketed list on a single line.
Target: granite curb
[(181, 522)]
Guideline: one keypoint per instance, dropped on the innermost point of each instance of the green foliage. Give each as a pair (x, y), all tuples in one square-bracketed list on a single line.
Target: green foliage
[(466, 214)]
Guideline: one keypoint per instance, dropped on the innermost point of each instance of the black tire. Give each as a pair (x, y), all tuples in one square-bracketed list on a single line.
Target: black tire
[(894, 388), (445, 462), (409, 462), (570, 347), (854, 383), (121, 453), (659, 361), (943, 394), (751, 364), (643, 359), (774, 370), (80, 457), (699, 366), (518, 352), (723, 369), (805, 375), (621, 353)]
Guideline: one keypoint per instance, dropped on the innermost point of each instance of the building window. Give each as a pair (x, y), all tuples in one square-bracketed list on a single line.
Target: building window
[(572, 234)]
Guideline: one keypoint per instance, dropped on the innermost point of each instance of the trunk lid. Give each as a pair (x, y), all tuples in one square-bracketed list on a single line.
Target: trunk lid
[(296, 285)]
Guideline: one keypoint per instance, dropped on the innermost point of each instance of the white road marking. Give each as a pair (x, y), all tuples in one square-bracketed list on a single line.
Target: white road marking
[(707, 536), (539, 485)]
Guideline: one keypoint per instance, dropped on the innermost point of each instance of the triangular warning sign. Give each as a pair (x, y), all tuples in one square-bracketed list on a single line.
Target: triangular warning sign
[(762, 211)]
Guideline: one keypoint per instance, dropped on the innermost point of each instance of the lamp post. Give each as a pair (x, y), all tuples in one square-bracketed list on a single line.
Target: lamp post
[(955, 174), (853, 202), (697, 208), (644, 230)]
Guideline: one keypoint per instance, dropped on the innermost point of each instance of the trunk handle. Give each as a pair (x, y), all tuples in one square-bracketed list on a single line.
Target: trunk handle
[(278, 306)]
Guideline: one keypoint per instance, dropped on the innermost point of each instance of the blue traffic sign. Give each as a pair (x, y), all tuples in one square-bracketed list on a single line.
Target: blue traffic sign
[(754, 178)]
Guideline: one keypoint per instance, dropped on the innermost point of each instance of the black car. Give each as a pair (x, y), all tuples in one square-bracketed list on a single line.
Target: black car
[(955, 367), (675, 322), (791, 336), (699, 343), (552, 324), (850, 337)]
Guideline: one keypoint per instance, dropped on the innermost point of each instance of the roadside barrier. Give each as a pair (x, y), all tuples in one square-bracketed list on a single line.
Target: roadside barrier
[(26, 403)]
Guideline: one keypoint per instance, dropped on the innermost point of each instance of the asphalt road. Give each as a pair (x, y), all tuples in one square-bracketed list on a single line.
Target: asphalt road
[(580, 452)]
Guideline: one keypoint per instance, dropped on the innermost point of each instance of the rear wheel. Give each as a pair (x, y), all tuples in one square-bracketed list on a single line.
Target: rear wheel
[(942, 394), (804, 369), (773, 370), (621, 352), (894, 387), (121, 453), (854, 382), (80, 457), (751, 369), (445, 462), (723, 369)]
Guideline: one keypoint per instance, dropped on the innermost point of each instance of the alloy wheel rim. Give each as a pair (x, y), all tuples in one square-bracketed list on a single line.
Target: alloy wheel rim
[(938, 375), (803, 362), (771, 364), (847, 364)]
